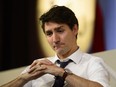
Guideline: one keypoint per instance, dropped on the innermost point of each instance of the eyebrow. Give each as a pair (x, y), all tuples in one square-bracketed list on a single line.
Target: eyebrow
[(58, 27), (55, 28)]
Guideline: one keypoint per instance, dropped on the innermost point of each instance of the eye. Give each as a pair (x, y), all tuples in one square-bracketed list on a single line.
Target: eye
[(60, 30), (48, 33)]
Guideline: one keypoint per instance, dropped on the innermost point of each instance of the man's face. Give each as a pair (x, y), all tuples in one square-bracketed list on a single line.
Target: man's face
[(61, 38)]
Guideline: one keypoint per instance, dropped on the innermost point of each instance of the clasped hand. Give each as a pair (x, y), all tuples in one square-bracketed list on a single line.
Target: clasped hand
[(43, 66)]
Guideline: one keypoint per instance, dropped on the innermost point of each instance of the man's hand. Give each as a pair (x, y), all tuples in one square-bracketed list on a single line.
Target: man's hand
[(45, 66), (37, 68), (34, 73), (54, 70), (40, 62)]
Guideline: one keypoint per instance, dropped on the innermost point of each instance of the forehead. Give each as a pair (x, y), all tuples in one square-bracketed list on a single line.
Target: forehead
[(53, 25)]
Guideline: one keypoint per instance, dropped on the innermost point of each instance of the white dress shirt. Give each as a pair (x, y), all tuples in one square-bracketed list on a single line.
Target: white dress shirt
[(83, 65)]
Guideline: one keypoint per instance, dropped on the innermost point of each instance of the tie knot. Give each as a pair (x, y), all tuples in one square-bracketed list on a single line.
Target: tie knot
[(64, 64)]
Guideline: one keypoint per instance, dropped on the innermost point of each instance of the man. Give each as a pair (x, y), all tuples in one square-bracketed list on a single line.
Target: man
[(82, 70)]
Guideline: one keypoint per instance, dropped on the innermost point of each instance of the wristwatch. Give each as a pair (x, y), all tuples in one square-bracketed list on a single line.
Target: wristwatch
[(66, 73)]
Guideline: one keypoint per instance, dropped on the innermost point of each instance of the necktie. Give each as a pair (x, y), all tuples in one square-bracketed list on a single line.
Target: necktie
[(59, 81)]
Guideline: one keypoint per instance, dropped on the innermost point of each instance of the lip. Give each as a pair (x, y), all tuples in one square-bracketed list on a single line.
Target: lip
[(56, 47)]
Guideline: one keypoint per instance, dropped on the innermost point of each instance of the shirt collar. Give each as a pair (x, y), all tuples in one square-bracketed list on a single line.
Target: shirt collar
[(75, 57)]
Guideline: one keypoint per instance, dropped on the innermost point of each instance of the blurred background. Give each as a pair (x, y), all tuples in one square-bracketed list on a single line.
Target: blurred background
[(22, 40)]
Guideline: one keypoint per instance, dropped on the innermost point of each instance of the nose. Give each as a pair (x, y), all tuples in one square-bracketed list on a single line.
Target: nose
[(56, 38)]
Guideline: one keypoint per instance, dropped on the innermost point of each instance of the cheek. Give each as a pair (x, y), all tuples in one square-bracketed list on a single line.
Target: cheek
[(69, 39), (49, 40)]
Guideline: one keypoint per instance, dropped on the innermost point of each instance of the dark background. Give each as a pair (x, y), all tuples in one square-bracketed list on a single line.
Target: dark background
[(19, 44), (18, 33)]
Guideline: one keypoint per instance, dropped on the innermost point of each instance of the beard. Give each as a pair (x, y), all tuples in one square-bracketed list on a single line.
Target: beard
[(63, 51)]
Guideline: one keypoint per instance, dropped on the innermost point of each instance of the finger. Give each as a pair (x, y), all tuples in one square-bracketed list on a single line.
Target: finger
[(37, 68), (40, 62), (33, 64), (31, 70), (46, 61)]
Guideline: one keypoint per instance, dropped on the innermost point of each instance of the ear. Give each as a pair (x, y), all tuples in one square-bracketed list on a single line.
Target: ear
[(75, 29)]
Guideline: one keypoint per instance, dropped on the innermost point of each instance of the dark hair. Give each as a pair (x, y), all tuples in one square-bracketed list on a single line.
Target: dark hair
[(59, 14)]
